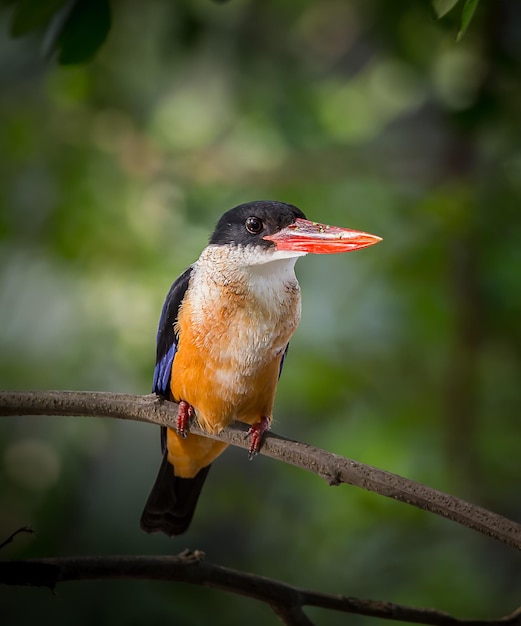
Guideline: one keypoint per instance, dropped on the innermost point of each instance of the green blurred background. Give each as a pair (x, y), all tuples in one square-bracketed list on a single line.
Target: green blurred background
[(364, 113)]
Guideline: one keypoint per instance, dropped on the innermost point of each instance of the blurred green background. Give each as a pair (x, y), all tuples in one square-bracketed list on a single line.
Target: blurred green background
[(364, 113)]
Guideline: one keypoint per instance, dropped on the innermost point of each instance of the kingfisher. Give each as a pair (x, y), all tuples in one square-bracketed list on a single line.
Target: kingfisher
[(223, 335)]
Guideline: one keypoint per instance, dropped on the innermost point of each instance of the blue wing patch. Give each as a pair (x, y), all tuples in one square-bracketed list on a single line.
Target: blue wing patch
[(162, 371)]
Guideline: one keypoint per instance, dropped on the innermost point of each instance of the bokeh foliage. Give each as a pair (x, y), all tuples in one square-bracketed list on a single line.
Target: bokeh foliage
[(364, 113)]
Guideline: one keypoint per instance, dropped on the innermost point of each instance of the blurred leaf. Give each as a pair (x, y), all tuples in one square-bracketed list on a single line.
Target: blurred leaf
[(442, 7), (466, 17), (32, 14), (80, 31)]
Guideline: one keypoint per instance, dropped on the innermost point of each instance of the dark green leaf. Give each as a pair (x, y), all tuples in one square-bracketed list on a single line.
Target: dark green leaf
[(466, 17), (32, 14), (83, 31), (442, 7)]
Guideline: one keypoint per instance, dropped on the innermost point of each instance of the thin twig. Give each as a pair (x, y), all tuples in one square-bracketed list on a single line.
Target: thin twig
[(332, 467), (23, 529), (190, 567)]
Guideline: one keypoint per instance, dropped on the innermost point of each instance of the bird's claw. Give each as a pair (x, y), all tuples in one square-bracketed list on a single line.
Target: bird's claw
[(185, 413), (256, 432)]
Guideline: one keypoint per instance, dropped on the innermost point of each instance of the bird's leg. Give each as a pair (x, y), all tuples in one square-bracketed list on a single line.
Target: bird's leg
[(256, 432), (185, 413)]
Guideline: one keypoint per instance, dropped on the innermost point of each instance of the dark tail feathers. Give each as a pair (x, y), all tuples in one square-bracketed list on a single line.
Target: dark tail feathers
[(172, 501)]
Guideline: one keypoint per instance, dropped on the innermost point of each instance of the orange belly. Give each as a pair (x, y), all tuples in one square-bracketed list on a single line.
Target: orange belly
[(227, 367), (220, 392), (219, 396), (191, 454)]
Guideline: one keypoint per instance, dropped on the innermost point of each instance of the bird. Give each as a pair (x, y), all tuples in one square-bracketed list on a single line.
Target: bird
[(222, 339)]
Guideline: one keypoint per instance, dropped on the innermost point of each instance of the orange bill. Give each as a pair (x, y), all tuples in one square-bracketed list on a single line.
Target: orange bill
[(306, 236)]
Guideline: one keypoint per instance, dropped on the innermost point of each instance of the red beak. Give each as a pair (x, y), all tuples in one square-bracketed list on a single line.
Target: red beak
[(306, 236)]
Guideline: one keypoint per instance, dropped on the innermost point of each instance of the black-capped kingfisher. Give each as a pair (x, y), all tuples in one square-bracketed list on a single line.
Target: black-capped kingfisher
[(222, 338)]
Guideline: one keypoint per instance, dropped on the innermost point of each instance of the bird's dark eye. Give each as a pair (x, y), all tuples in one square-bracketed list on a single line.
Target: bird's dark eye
[(254, 225)]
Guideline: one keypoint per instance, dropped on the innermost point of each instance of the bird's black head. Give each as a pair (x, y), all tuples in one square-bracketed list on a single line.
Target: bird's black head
[(249, 223)]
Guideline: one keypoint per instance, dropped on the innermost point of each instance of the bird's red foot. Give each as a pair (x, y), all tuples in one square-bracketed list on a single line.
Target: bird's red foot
[(185, 413), (256, 432)]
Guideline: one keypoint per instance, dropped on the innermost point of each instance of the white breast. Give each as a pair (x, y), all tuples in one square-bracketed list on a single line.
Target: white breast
[(255, 308)]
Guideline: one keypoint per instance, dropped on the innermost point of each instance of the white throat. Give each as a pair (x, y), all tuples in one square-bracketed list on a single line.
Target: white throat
[(264, 275)]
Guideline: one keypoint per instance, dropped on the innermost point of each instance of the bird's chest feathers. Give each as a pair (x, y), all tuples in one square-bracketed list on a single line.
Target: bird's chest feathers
[(233, 329), (244, 319)]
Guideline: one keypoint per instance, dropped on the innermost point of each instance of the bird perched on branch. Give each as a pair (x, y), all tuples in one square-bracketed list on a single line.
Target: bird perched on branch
[(222, 338)]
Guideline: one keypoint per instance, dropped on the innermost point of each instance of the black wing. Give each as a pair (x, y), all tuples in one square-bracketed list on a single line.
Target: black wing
[(167, 339), (283, 358)]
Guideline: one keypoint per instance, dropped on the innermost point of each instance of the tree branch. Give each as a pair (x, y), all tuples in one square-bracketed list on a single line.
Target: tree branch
[(332, 467), (285, 600)]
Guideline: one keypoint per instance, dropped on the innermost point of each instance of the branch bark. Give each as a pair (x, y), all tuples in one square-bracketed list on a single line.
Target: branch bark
[(333, 468), (286, 600)]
